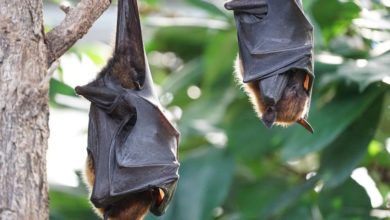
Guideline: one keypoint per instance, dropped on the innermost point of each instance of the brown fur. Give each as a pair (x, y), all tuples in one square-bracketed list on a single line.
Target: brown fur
[(133, 207), (290, 108), (118, 68)]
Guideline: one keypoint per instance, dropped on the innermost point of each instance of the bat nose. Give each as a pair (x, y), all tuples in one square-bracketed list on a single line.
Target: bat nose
[(272, 88), (269, 117)]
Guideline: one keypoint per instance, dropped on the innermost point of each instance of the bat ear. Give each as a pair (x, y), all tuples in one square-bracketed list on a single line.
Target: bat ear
[(306, 125), (163, 197), (269, 117)]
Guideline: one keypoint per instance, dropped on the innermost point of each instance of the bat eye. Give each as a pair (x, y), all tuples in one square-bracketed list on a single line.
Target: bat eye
[(306, 82)]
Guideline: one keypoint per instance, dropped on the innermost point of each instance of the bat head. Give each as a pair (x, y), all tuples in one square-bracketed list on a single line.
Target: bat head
[(285, 99)]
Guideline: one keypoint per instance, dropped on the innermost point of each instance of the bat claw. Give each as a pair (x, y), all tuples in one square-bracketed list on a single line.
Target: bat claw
[(306, 125)]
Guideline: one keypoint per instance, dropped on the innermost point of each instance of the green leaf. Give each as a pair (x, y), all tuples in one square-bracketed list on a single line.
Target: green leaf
[(250, 197), (211, 108), (347, 201), (205, 178), (347, 151), (349, 46), (66, 204), (178, 81), (331, 23), (329, 122), (218, 67), (58, 87), (298, 212), (186, 41), (248, 138), (276, 206), (372, 71)]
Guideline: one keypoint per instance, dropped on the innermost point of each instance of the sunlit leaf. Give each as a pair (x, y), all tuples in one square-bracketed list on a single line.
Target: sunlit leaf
[(329, 122), (65, 203), (333, 24), (219, 58), (348, 201), (349, 46), (366, 72), (179, 81), (58, 87), (274, 207), (347, 151)]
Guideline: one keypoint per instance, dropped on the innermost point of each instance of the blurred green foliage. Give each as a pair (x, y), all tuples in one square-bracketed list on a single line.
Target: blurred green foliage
[(234, 168)]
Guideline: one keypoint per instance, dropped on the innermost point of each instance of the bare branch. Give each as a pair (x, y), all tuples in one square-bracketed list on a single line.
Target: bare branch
[(77, 22), (65, 7)]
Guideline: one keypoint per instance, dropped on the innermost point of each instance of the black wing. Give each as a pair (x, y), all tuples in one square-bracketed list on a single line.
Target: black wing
[(131, 142), (274, 36)]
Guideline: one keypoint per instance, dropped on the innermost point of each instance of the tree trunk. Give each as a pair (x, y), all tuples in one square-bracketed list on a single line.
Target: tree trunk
[(23, 111)]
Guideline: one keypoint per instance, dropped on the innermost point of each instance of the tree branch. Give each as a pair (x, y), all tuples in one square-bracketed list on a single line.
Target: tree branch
[(76, 24)]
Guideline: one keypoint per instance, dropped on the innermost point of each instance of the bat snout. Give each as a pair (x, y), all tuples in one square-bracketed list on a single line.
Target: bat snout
[(269, 117)]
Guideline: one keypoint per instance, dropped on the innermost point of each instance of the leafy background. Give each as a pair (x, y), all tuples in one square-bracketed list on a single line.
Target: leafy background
[(231, 166)]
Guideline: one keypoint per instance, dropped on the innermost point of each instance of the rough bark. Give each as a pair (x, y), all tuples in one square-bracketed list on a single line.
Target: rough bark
[(24, 83), (76, 24), (23, 111)]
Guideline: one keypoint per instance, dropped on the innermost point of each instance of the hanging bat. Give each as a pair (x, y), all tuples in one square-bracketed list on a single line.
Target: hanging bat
[(275, 59), (132, 164)]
